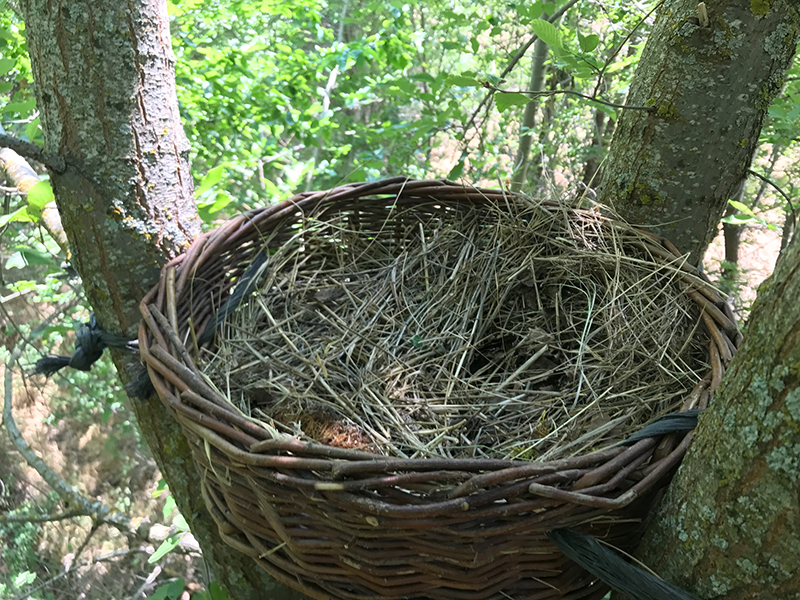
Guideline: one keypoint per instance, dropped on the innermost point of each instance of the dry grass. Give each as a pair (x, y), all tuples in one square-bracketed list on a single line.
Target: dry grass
[(530, 331)]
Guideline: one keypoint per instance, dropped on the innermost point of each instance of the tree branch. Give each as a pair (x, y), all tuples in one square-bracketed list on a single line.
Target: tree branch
[(73, 568), (43, 518), (513, 63), (99, 512), (32, 151), (537, 94)]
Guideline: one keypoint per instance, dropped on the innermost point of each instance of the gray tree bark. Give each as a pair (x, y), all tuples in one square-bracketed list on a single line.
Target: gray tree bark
[(675, 168), (730, 524), (105, 86)]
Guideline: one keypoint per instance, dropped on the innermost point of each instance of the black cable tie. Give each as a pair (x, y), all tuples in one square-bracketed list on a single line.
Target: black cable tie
[(671, 423), (606, 565)]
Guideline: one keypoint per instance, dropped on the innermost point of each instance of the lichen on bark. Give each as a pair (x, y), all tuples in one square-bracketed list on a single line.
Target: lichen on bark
[(730, 524)]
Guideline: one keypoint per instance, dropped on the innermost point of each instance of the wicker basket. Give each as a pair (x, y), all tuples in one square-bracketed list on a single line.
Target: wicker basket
[(340, 523)]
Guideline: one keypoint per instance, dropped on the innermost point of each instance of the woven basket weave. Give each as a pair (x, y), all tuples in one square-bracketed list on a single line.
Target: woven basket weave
[(340, 523)]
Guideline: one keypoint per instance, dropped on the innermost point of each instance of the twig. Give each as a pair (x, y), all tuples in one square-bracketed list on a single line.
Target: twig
[(97, 510), (777, 188), (73, 568), (33, 151), (571, 93), (95, 527), (147, 583), (786, 197), (621, 46), (515, 59), (43, 518)]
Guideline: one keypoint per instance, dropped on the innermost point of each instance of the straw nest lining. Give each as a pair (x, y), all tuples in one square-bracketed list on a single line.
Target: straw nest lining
[(517, 331)]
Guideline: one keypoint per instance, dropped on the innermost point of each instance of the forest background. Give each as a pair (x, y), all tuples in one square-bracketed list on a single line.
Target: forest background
[(280, 97)]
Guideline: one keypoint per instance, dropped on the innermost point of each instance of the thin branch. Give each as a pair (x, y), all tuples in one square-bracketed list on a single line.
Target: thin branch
[(99, 512), (73, 568), (533, 95), (513, 62), (32, 151), (621, 46), (777, 188), (147, 583), (786, 197), (43, 518)]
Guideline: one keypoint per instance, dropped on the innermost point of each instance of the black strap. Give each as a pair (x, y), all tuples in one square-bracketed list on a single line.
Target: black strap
[(605, 564), (243, 288), (89, 346), (671, 423)]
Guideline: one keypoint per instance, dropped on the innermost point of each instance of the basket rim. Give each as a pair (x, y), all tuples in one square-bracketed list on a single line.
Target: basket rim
[(245, 467)]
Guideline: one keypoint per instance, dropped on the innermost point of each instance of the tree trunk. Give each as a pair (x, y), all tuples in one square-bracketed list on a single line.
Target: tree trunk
[(732, 235), (520, 175), (105, 86), (675, 168), (730, 524)]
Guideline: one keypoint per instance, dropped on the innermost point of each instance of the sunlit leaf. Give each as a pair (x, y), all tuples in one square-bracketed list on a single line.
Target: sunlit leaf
[(169, 591), (40, 195), (546, 32), (167, 546), (506, 100), (588, 42), (211, 179)]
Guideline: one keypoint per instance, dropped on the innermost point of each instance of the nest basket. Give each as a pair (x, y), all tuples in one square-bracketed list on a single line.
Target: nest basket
[(437, 385)]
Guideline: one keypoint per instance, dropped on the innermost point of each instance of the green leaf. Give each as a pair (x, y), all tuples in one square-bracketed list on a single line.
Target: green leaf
[(40, 195), (211, 179), (22, 107), (161, 488), (506, 100), (743, 208), (168, 591), (169, 506), (24, 578), (546, 32), (454, 174), (214, 592), (20, 215), (32, 129), (167, 546), (588, 42), (25, 256), (738, 219), (6, 64), (461, 81)]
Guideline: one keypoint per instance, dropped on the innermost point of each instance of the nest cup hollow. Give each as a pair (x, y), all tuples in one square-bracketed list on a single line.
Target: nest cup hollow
[(361, 520)]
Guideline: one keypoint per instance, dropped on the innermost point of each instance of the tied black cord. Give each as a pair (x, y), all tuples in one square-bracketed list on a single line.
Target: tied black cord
[(89, 345), (633, 582)]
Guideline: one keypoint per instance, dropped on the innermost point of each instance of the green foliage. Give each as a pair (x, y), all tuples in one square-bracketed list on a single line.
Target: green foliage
[(168, 591), (214, 592)]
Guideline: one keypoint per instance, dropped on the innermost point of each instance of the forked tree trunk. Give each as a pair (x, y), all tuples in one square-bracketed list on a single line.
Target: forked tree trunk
[(730, 525), (710, 85), (105, 86)]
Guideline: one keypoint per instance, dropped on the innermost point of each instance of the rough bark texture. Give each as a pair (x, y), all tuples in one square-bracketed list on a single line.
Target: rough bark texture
[(730, 524), (104, 74), (674, 169)]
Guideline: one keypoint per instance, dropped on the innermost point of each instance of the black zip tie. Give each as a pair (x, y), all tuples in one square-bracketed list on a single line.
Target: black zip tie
[(602, 562), (243, 288), (671, 423), (89, 345)]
